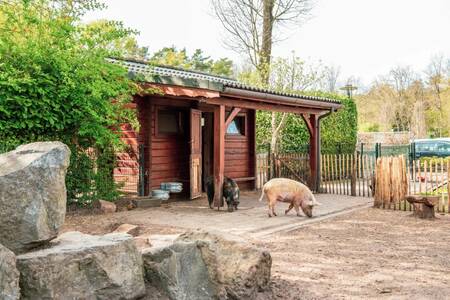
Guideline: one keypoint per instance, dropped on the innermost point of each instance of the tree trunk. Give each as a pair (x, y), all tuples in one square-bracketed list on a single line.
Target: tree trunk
[(266, 46), (276, 130)]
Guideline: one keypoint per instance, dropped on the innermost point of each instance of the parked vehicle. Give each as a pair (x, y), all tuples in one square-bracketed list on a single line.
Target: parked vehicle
[(432, 147)]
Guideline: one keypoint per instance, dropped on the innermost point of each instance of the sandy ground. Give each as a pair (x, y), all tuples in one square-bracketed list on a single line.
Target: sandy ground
[(368, 254)]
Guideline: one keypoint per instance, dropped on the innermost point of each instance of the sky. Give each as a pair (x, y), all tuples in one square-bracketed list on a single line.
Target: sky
[(366, 38)]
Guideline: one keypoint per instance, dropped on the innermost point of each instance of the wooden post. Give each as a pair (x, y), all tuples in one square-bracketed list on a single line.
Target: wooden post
[(448, 185), (314, 159), (219, 153), (353, 175)]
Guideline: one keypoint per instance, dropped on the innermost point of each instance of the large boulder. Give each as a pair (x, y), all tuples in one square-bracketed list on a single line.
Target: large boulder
[(9, 276), (32, 194), (81, 266), (202, 265)]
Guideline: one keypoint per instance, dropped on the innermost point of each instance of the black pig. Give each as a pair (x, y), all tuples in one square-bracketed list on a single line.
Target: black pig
[(230, 192)]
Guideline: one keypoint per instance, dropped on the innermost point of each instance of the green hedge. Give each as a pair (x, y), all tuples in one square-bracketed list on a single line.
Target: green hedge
[(338, 130)]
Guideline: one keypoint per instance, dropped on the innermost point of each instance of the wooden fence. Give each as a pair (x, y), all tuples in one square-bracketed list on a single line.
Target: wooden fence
[(354, 175), (347, 174), (418, 177), (263, 169), (391, 181), (287, 165), (344, 174)]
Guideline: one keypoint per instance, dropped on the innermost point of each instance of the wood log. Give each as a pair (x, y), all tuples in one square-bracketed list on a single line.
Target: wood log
[(423, 205)]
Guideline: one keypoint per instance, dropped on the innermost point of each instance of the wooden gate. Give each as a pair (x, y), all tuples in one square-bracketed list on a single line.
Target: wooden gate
[(196, 154)]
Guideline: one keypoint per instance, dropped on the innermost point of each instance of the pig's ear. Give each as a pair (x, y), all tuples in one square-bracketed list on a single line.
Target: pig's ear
[(317, 203)]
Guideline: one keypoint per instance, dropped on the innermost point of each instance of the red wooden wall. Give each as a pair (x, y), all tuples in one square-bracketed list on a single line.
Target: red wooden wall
[(169, 154), (167, 157), (239, 152)]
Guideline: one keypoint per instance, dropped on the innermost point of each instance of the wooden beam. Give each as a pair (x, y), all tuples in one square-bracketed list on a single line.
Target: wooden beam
[(243, 104), (262, 106), (314, 156), (231, 116), (308, 123), (219, 153)]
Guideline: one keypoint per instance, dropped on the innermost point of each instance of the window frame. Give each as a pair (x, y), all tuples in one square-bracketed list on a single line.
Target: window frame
[(238, 135), (180, 123)]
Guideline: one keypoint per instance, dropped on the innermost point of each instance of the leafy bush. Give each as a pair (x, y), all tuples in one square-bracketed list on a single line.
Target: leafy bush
[(55, 84)]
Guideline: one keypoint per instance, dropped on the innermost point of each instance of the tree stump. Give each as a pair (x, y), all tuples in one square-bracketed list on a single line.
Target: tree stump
[(423, 205)]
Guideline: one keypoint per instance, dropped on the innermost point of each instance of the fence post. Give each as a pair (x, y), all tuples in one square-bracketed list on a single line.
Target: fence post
[(353, 178), (141, 184), (377, 150), (270, 161)]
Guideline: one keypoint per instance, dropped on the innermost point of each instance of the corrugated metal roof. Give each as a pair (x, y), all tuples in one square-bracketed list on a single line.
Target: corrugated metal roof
[(152, 73)]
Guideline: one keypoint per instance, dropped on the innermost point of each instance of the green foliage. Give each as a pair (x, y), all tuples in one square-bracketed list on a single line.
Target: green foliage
[(171, 56), (338, 130), (369, 127), (55, 84), (125, 46)]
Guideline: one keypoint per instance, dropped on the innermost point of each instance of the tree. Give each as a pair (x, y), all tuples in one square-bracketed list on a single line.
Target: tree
[(55, 84), (124, 47), (404, 100), (331, 77), (436, 72), (171, 56), (402, 78), (253, 26)]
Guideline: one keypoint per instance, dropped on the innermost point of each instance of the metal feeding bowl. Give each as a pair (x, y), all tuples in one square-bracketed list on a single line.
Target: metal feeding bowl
[(160, 194), (173, 187)]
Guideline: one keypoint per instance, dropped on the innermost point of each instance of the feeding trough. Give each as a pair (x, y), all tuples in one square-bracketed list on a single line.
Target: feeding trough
[(160, 194), (172, 187)]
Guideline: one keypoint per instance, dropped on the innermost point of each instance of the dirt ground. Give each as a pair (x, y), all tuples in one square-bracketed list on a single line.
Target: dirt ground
[(368, 254)]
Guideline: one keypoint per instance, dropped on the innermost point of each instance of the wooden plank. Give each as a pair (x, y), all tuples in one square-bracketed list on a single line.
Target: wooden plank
[(341, 190), (219, 153), (329, 174), (448, 185), (346, 176), (313, 150), (363, 175), (353, 175), (241, 103), (443, 184), (358, 175), (419, 171), (308, 123)]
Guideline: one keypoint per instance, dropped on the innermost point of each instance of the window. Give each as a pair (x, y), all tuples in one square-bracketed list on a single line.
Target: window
[(237, 126), (444, 147), (170, 122)]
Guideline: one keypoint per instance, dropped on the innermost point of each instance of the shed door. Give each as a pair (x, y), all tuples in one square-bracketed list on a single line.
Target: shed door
[(196, 154)]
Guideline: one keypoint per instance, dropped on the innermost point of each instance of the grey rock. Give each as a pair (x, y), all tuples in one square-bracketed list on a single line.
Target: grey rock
[(32, 194), (202, 265), (81, 266), (9, 276)]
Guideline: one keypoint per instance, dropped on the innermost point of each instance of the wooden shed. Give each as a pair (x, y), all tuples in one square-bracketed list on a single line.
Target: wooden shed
[(203, 125)]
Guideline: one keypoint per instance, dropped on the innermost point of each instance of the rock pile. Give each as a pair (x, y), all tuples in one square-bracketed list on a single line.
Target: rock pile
[(194, 265), (9, 276), (81, 266), (32, 194), (202, 265)]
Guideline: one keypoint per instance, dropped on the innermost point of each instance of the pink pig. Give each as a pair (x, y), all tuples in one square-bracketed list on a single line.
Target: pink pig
[(289, 191)]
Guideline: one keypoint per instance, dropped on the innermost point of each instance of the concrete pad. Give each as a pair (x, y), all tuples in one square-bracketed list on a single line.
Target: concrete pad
[(250, 220)]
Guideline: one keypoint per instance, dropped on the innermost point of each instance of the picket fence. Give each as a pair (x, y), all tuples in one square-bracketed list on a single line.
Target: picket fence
[(355, 175)]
